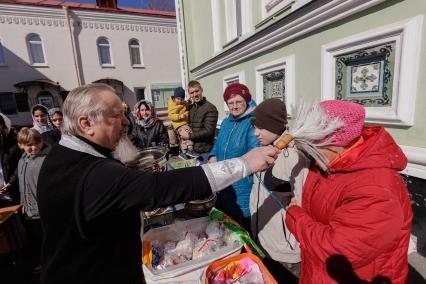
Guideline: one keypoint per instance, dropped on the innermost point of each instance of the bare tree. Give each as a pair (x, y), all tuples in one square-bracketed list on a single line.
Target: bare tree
[(162, 5)]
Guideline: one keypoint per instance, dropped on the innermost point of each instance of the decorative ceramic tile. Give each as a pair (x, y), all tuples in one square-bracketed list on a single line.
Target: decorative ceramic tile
[(274, 85), (365, 76)]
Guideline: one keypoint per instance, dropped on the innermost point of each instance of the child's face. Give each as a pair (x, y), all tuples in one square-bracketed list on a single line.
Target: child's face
[(31, 148), (264, 136), (179, 101), (57, 120)]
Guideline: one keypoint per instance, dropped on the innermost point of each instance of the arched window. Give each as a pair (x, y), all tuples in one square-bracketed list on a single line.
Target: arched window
[(135, 52), (104, 49), (35, 46)]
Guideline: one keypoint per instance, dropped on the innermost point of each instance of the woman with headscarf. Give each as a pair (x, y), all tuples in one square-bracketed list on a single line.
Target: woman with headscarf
[(9, 157), (236, 137), (43, 124), (57, 117), (149, 131)]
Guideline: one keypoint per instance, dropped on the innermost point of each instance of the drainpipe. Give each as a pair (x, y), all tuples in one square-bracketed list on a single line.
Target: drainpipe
[(180, 25), (73, 45)]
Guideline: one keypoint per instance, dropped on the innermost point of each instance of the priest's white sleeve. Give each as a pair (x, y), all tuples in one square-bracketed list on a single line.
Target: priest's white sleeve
[(224, 173)]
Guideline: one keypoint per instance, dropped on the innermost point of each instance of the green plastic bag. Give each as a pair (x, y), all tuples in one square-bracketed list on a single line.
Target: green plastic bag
[(248, 243)]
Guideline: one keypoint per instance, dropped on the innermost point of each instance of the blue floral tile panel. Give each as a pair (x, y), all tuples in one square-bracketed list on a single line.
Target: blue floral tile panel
[(366, 76)]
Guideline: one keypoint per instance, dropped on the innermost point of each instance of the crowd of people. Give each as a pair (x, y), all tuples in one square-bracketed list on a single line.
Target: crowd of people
[(343, 221)]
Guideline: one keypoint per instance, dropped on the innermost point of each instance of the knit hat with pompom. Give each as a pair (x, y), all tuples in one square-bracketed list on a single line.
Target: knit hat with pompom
[(352, 115)]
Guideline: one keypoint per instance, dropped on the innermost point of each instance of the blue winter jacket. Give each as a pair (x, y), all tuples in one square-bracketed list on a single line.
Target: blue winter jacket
[(236, 137)]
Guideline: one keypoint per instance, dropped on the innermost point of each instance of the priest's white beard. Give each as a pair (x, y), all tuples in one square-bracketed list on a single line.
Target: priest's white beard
[(125, 151)]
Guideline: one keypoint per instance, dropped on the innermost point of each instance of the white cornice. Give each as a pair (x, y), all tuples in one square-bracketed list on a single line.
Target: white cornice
[(30, 11), (416, 161), (124, 18), (306, 20), (8, 10)]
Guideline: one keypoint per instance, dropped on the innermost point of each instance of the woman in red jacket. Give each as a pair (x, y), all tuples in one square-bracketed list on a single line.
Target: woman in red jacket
[(354, 223)]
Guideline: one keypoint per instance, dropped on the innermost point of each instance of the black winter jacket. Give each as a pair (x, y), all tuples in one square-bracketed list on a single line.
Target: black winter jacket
[(202, 120), (155, 135), (10, 155), (51, 137)]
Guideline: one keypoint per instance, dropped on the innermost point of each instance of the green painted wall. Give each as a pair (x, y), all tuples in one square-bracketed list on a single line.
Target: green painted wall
[(307, 52), (199, 31)]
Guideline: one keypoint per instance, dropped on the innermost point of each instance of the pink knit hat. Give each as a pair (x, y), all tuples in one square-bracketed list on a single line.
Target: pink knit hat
[(352, 115)]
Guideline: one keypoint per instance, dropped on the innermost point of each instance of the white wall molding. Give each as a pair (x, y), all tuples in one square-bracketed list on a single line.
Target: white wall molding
[(32, 15), (29, 21), (125, 18), (286, 63), (30, 11), (416, 161), (94, 25), (284, 30), (270, 7), (407, 37)]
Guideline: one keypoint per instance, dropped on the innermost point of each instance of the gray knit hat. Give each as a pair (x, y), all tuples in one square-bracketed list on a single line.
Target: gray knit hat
[(270, 115)]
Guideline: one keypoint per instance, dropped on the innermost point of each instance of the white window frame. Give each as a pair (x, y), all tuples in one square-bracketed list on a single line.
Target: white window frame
[(244, 22), (140, 65), (240, 76), (277, 6), (216, 26), (247, 18), (107, 65), (286, 63), (231, 20), (30, 54), (3, 55), (406, 35)]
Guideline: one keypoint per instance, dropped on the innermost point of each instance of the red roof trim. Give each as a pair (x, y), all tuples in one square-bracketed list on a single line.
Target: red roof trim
[(93, 7)]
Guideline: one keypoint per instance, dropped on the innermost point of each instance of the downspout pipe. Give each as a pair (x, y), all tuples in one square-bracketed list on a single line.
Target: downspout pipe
[(183, 59), (73, 45)]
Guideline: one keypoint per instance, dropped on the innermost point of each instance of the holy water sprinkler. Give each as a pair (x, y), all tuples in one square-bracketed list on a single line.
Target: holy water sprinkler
[(308, 130)]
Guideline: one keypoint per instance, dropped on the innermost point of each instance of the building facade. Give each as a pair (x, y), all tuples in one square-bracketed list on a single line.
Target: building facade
[(366, 51), (48, 48)]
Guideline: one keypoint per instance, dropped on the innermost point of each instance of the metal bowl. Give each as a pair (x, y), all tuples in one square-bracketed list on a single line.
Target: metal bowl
[(152, 159), (198, 208)]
